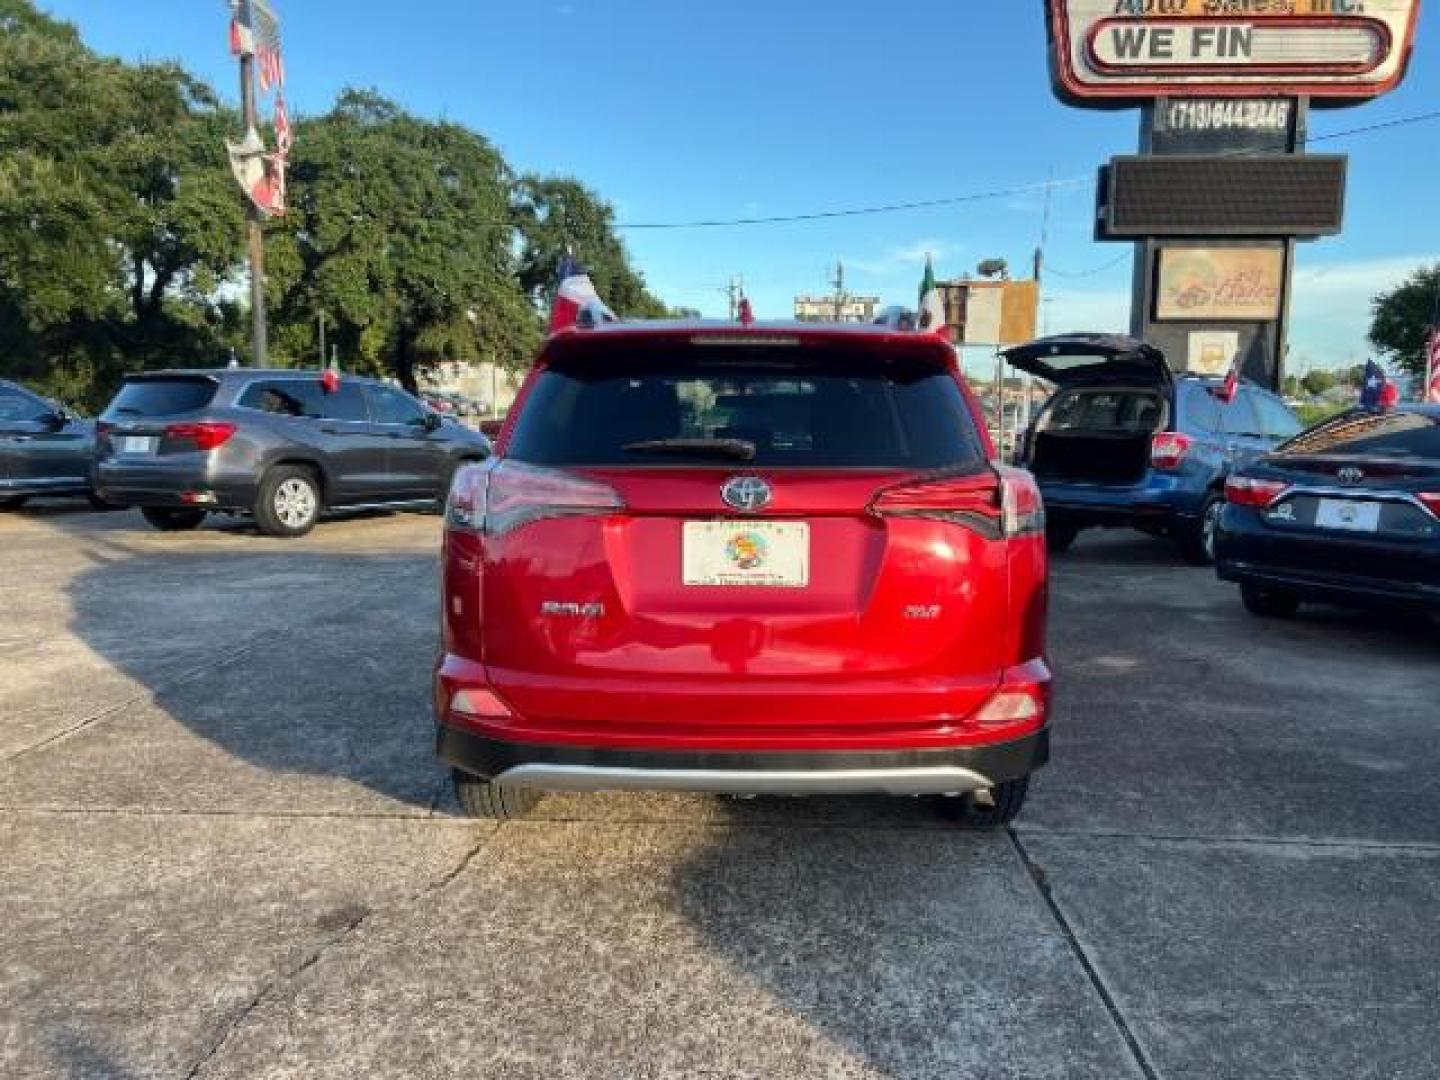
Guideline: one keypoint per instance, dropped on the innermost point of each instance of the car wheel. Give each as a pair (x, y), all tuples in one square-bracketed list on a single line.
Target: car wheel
[(170, 519), (1269, 603), (1197, 543), (1058, 538), (487, 799), (989, 808), (288, 504), (12, 502)]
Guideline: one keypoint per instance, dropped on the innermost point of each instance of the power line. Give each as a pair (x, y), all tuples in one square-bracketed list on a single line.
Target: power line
[(983, 196), (1092, 271)]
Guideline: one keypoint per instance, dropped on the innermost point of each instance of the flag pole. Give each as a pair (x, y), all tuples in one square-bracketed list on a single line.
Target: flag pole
[(254, 235)]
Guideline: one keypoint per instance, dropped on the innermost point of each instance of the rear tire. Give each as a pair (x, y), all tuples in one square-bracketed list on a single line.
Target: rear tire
[(1269, 603), (1197, 543), (487, 799), (1004, 802), (288, 504), (1059, 538), (170, 519)]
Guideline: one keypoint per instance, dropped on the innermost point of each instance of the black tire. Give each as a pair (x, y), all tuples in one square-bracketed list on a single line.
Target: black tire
[(1197, 542), (12, 502), (1269, 603), (289, 501), (172, 519), (1059, 537), (486, 799), (972, 812)]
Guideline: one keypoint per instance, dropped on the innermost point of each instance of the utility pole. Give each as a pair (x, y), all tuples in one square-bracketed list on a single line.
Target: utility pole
[(259, 346), (322, 337), (839, 282)]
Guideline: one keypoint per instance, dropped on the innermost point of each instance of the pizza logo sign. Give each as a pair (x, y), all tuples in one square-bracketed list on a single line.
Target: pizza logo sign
[(1328, 49)]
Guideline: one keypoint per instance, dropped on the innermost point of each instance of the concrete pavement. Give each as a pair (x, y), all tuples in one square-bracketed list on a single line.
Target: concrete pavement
[(228, 851)]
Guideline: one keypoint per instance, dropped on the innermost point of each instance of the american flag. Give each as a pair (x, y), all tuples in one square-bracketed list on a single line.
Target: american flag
[(255, 31)]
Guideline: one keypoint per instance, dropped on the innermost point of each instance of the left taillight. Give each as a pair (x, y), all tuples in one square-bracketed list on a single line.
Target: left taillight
[(1168, 450), (1000, 504), (1431, 499), (1252, 491), (206, 435), (498, 499)]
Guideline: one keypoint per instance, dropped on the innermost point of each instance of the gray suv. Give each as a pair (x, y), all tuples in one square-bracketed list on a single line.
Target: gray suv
[(45, 449), (274, 443)]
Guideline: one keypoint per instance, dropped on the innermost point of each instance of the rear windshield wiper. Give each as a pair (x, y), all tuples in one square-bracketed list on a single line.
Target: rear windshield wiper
[(735, 449)]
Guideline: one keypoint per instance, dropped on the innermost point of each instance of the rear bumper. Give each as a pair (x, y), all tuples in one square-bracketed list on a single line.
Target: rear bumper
[(162, 483), (1332, 588), (1158, 499), (894, 772), (1326, 568)]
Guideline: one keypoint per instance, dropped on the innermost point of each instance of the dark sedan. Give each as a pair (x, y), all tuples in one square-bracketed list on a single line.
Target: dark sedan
[(1346, 513), (44, 448)]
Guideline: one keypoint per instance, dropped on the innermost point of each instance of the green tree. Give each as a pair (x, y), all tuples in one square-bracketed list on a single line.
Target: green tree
[(1400, 324), (556, 212), (118, 215), (399, 231), (1318, 382)]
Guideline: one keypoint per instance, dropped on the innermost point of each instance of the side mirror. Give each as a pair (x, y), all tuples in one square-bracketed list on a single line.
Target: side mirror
[(58, 419), (433, 421)]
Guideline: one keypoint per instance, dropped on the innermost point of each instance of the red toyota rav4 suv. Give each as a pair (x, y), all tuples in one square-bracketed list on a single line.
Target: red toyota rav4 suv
[(746, 560)]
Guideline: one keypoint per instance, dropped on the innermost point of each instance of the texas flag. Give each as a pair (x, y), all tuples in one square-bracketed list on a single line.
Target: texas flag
[(1373, 387), (575, 293)]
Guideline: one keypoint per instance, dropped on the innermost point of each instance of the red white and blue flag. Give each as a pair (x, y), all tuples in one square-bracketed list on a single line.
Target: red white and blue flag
[(284, 135), (255, 31), (573, 295)]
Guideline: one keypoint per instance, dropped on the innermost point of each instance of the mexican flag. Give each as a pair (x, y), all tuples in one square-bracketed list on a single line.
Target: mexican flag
[(932, 306)]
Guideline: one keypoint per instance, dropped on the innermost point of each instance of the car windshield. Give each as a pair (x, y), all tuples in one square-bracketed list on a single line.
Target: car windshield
[(767, 409)]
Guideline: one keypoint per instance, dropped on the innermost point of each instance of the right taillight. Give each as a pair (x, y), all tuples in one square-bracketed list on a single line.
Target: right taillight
[(997, 506), (1168, 449), (500, 498), (1251, 491), (1431, 499)]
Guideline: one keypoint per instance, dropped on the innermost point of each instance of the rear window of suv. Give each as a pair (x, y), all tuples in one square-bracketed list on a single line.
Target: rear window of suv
[(162, 397), (816, 410)]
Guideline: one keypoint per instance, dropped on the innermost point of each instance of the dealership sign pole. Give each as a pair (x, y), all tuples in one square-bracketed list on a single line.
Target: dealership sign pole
[(1222, 188)]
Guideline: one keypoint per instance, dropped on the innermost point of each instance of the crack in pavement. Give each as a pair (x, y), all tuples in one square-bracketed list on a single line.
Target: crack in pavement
[(345, 933), (1037, 877)]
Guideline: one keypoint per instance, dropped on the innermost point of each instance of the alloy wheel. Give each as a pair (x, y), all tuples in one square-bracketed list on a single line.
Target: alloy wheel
[(295, 503)]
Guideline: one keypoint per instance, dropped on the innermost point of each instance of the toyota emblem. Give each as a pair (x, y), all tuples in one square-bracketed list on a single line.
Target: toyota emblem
[(1350, 475), (748, 494)]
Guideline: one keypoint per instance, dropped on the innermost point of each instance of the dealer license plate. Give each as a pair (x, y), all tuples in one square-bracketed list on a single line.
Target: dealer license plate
[(1348, 514), (135, 444), (774, 554)]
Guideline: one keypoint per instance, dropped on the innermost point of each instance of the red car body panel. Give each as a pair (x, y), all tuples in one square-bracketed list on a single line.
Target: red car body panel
[(577, 630)]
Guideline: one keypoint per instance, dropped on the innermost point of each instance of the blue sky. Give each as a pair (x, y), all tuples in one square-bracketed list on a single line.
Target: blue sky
[(677, 111)]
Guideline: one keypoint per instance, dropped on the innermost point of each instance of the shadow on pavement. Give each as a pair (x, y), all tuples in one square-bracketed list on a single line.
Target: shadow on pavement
[(289, 657)]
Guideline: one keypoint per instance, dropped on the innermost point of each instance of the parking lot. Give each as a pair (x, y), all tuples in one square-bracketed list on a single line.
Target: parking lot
[(228, 851)]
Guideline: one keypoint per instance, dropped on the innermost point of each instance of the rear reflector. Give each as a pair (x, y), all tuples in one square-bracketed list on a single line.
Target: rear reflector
[(1248, 491), (1168, 449), (501, 498), (1011, 707), (997, 507), (478, 703), (207, 435)]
